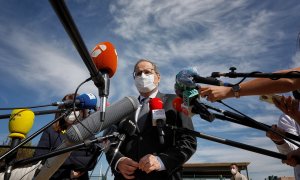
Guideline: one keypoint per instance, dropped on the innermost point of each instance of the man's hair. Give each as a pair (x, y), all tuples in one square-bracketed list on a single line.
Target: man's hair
[(155, 68), (234, 164)]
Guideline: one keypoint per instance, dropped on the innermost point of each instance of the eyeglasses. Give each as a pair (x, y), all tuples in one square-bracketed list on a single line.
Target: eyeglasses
[(146, 72)]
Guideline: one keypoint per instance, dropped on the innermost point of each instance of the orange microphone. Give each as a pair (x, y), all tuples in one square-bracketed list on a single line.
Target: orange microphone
[(105, 57)]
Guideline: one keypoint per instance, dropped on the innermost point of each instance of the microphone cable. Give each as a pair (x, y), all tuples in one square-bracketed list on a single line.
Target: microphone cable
[(74, 106)]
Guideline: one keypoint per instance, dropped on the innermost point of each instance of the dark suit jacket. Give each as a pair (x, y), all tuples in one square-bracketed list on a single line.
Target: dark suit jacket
[(175, 151)]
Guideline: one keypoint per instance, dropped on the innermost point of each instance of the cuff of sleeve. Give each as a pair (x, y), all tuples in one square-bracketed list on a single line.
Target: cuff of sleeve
[(116, 166), (162, 166)]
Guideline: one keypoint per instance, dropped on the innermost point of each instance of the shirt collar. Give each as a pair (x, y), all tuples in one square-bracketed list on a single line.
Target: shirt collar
[(153, 95)]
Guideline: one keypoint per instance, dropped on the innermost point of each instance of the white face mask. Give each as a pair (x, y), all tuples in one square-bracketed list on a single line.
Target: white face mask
[(71, 117), (233, 171), (145, 83)]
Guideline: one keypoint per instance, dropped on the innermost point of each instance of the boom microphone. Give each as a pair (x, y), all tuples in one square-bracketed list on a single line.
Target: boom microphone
[(84, 101), (115, 113), (105, 57), (189, 77), (158, 117), (87, 128)]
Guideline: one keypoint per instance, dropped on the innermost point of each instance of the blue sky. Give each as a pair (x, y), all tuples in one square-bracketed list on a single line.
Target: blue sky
[(39, 64)]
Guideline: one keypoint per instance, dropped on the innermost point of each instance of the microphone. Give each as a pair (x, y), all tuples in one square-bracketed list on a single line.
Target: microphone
[(20, 123), (189, 103), (84, 101), (127, 126), (105, 57), (115, 113), (189, 77), (158, 117), (87, 128), (177, 104)]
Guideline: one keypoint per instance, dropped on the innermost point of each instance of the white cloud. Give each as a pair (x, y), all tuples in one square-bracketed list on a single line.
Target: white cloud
[(41, 65)]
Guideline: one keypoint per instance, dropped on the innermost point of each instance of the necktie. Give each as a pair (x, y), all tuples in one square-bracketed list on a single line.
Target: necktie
[(143, 113)]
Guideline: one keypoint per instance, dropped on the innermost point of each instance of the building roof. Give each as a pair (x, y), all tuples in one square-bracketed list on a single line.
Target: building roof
[(211, 169)]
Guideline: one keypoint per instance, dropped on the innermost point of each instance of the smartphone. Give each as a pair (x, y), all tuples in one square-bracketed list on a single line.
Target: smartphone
[(268, 98)]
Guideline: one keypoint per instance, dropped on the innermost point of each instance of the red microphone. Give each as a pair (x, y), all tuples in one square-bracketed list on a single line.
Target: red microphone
[(105, 57), (181, 107), (177, 104), (158, 117)]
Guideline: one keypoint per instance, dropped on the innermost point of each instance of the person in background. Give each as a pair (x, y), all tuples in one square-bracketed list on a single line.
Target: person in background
[(285, 124), (80, 161), (236, 175), (142, 156)]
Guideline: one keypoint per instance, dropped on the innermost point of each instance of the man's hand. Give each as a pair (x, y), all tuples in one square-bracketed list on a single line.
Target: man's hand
[(289, 106), (275, 137), (127, 166), (293, 158), (75, 174), (149, 163), (215, 93)]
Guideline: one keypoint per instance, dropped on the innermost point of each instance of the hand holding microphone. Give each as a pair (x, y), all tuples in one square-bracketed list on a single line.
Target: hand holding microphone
[(189, 78)]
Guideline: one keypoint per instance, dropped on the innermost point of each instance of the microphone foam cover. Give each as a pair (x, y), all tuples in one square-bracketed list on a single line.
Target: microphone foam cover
[(114, 114), (20, 122), (105, 57), (156, 103), (87, 101), (177, 104)]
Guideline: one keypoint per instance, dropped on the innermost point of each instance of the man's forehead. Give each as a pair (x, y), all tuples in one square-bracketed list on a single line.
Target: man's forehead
[(144, 65)]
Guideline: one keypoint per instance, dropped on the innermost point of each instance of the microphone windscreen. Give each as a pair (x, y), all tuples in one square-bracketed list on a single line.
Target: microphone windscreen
[(20, 123), (87, 101), (92, 124), (105, 57), (127, 126), (185, 78), (155, 103), (177, 104)]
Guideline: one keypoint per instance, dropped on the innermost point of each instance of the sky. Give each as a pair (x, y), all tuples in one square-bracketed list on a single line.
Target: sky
[(39, 63)]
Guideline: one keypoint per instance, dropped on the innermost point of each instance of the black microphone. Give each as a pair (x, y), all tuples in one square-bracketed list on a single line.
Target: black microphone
[(189, 77), (127, 126), (158, 117), (211, 81), (88, 127)]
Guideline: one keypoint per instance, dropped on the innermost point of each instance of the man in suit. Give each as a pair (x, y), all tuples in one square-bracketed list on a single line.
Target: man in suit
[(141, 155)]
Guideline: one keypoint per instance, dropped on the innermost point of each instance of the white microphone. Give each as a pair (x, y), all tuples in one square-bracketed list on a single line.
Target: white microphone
[(158, 117)]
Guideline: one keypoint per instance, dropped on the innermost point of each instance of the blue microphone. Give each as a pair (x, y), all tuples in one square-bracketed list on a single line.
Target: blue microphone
[(84, 101)]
